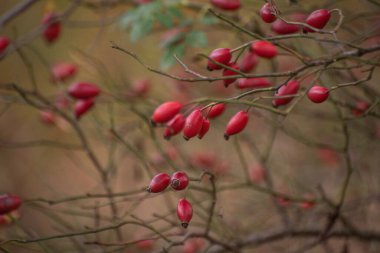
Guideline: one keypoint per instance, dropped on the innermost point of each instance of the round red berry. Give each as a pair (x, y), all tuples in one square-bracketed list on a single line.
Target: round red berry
[(53, 27), (318, 94), (179, 180), (267, 14), (159, 183)]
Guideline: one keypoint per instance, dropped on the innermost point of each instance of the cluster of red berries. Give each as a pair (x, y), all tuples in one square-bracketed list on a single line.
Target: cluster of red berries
[(195, 124), (9, 204), (317, 19), (178, 181), (85, 93)]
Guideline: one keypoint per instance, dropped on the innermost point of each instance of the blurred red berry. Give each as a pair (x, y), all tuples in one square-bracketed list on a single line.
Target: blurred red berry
[(9, 203), (249, 62), (255, 82), (266, 13), (174, 126), (53, 27), (83, 90), (48, 117), (227, 72), (227, 5), (4, 42), (63, 71), (360, 108), (264, 49), (82, 106)]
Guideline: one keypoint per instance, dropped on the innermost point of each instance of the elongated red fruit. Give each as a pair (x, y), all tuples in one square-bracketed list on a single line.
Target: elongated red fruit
[(184, 212), (82, 106), (9, 203), (63, 71), (266, 13), (83, 90), (317, 19), (318, 94), (249, 62), (250, 83), (174, 126), (53, 28), (193, 124), (48, 117), (227, 5), (4, 42), (204, 129), (280, 27), (221, 55), (166, 111), (236, 124), (264, 49), (216, 111), (227, 72), (290, 88), (159, 183), (179, 180)]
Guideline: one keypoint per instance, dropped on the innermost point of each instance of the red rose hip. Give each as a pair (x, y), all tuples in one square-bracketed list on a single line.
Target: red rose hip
[(193, 124), (9, 203), (228, 72), (248, 63), (264, 49), (266, 13), (159, 183), (236, 124), (220, 55), (82, 106), (227, 5), (63, 71), (290, 88), (184, 212), (4, 42), (250, 83), (204, 129), (317, 19), (318, 94), (174, 126), (216, 110), (83, 90), (166, 112), (179, 180), (53, 28)]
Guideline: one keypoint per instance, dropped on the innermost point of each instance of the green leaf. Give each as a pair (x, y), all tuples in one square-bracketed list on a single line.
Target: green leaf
[(168, 59), (196, 39), (175, 12), (209, 20), (164, 19), (128, 18), (141, 28)]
